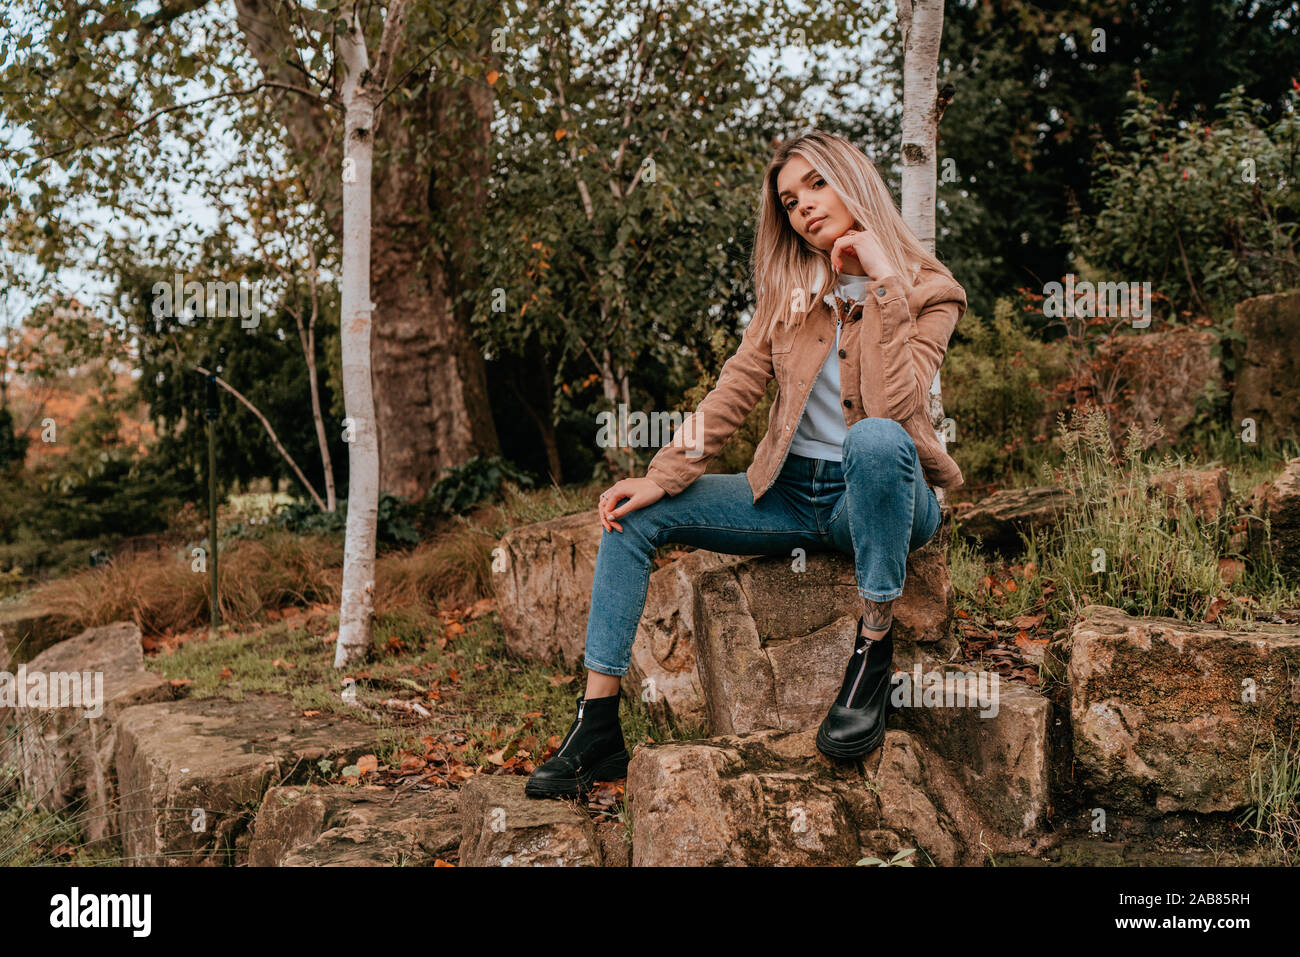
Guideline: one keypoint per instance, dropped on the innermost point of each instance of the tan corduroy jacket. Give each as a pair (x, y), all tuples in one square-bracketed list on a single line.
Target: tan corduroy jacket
[(891, 345)]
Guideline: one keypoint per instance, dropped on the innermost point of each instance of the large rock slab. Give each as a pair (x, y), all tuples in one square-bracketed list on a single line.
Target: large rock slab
[(994, 734), (998, 520), (663, 671), (772, 640), (504, 828), (1267, 383), (542, 577), (1159, 375), (192, 774), (65, 754), (345, 826), (1207, 491), (1166, 714), (1001, 519), (770, 798)]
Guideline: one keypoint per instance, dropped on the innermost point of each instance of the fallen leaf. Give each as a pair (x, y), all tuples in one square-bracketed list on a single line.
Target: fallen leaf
[(367, 763)]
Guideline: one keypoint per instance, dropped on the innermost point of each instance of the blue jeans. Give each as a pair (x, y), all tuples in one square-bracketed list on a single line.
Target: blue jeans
[(875, 506)]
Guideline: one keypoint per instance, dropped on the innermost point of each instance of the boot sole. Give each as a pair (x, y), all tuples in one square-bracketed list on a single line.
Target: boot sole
[(831, 749), (610, 769), (834, 750)]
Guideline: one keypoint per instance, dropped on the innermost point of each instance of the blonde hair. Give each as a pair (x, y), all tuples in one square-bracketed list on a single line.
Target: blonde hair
[(786, 267)]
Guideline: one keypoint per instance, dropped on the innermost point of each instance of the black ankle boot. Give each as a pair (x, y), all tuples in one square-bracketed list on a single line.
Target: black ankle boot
[(593, 750), (855, 725)]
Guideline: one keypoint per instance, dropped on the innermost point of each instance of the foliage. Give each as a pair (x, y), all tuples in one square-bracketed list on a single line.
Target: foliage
[(1038, 83), (997, 379), (304, 518), (465, 486), (619, 210), (1206, 213)]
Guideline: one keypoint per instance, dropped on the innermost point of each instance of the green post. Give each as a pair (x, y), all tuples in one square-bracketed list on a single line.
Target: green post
[(214, 612)]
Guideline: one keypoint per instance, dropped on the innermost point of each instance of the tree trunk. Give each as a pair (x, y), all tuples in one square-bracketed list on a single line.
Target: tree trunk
[(429, 376), (361, 90), (921, 25)]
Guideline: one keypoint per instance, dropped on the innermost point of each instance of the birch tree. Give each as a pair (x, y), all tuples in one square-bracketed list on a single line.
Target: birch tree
[(921, 25), (362, 93)]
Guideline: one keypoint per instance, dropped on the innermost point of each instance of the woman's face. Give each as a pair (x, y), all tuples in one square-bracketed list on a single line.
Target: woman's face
[(813, 208)]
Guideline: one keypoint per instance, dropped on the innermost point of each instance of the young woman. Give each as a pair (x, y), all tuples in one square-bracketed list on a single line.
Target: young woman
[(853, 318)]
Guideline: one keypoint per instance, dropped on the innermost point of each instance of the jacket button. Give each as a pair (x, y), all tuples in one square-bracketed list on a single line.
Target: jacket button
[(843, 354), (848, 403), (880, 290)]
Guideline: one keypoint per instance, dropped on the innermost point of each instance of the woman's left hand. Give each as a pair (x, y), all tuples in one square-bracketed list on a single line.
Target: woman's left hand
[(862, 245)]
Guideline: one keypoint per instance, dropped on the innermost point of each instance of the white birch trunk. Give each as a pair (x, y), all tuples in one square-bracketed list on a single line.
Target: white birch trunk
[(362, 89), (921, 25)]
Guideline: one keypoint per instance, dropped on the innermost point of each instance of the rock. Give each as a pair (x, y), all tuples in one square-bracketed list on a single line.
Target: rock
[(344, 826), (1279, 502), (543, 593), (193, 773), (503, 828), (1207, 491), (1159, 376), (543, 586), (1158, 718), (1000, 751), (1267, 386), (772, 643), (26, 630), (65, 755), (663, 670), (998, 519), (770, 798)]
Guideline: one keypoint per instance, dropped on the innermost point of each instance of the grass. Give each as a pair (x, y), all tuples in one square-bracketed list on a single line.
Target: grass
[(1275, 797)]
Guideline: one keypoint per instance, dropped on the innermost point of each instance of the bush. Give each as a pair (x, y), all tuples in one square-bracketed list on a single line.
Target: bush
[(1205, 213), (478, 480), (996, 388), (395, 520)]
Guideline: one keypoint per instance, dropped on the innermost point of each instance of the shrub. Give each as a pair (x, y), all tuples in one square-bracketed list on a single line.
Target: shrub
[(996, 380)]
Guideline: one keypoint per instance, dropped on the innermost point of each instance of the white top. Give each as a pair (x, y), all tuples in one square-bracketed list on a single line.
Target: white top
[(822, 428)]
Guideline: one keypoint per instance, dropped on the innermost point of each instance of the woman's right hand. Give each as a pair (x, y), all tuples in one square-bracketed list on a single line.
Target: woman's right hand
[(639, 493)]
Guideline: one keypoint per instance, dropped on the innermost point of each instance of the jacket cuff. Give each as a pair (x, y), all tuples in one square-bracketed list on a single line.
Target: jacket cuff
[(666, 480)]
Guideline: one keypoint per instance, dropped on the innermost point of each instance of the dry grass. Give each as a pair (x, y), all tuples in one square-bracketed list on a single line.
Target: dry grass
[(167, 596)]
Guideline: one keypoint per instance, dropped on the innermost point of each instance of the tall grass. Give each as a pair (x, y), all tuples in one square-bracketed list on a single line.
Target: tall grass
[(1120, 541)]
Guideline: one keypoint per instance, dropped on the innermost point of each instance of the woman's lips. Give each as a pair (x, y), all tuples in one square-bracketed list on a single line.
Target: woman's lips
[(813, 224)]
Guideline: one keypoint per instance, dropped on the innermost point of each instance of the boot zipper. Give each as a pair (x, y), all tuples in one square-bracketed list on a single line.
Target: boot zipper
[(852, 691), (574, 733)]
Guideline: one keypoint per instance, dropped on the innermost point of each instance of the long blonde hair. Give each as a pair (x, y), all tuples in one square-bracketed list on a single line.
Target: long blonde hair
[(786, 267)]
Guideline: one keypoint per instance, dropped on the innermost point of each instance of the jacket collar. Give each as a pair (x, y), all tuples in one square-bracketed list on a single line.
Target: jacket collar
[(842, 309)]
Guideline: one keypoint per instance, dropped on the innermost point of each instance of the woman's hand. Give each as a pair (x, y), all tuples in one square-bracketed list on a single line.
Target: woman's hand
[(863, 246), (639, 493)]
